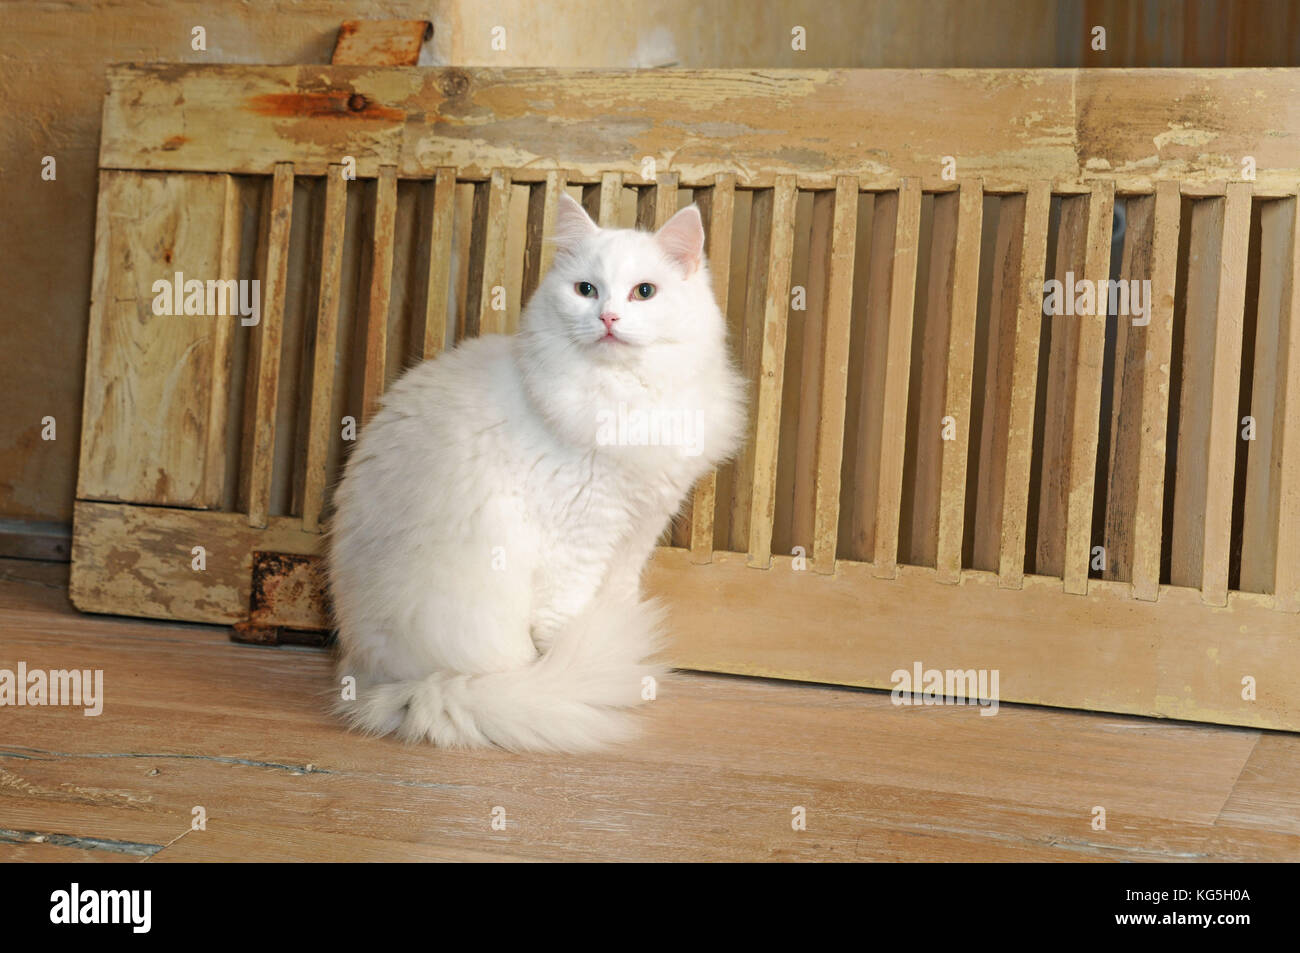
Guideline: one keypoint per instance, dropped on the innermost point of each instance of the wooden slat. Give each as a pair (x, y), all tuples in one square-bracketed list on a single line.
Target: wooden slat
[(871, 349), (834, 372), (1259, 494), (1224, 423), (441, 228), (266, 370), (381, 285), (214, 461), (488, 250), (611, 198), (1124, 427), (1056, 385), (1148, 518), (543, 199), (1286, 586), (984, 523), (957, 387), (718, 207), (922, 488), (1086, 400), (1024, 386), (320, 427), (902, 292), (750, 353), (656, 204), (762, 504), (1195, 392)]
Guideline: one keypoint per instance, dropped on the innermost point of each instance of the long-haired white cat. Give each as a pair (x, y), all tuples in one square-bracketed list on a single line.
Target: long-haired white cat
[(496, 514)]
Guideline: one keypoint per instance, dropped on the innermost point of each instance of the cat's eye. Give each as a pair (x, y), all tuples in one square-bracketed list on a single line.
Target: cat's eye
[(585, 288), (643, 291)]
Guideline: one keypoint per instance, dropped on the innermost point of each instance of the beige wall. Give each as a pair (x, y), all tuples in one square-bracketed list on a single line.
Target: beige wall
[(53, 55)]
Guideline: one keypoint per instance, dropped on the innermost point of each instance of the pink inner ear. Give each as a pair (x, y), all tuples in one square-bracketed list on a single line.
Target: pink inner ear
[(682, 239)]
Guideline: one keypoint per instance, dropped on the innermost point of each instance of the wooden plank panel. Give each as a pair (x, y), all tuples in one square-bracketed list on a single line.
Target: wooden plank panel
[(320, 424), (957, 387), (1004, 787), (441, 228), (152, 399), (1024, 385), (776, 305), (718, 208), (1224, 424), (834, 368), (1286, 586), (266, 366), (1148, 519), (1086, 400), (727, 619), (543, 199), (902, 295), (381, 286)]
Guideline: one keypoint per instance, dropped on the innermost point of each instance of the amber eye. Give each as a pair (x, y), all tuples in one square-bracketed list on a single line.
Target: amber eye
[(643, 291), (586, 289)]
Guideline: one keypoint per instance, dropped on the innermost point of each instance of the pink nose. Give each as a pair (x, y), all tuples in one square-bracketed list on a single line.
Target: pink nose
[(609, 317)]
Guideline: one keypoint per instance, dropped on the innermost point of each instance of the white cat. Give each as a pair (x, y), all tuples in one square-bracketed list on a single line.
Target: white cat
[(496, 514)]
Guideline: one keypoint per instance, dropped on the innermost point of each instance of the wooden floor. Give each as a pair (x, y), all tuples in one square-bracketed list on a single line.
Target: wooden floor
[(191, 719)]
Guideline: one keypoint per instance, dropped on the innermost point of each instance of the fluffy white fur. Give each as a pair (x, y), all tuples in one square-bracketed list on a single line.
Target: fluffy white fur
[(488, 541)]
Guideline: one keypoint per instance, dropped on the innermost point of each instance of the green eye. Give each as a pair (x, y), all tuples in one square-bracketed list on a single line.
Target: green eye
[(643, 291), (586, 289)]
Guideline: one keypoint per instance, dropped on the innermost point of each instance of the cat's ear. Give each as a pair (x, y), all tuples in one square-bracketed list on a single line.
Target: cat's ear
[(572, 224), (682, 239)]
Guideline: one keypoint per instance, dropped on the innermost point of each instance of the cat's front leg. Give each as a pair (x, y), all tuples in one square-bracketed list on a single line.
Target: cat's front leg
[(632, 555)]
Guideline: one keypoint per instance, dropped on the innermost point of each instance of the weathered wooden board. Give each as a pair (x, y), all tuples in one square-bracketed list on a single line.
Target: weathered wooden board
[(1006, 126), (1106, 651), (151, 368), (848, 627)]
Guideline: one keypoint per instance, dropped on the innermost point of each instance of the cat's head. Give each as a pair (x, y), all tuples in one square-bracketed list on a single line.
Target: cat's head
[(621, 296)]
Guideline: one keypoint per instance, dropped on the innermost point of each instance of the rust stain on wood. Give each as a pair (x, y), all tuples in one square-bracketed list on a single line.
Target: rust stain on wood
[(288, 601), (331, 104), (381, 42)]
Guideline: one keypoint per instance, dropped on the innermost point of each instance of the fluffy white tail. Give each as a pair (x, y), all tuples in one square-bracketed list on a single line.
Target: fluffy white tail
[(573, 698)]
